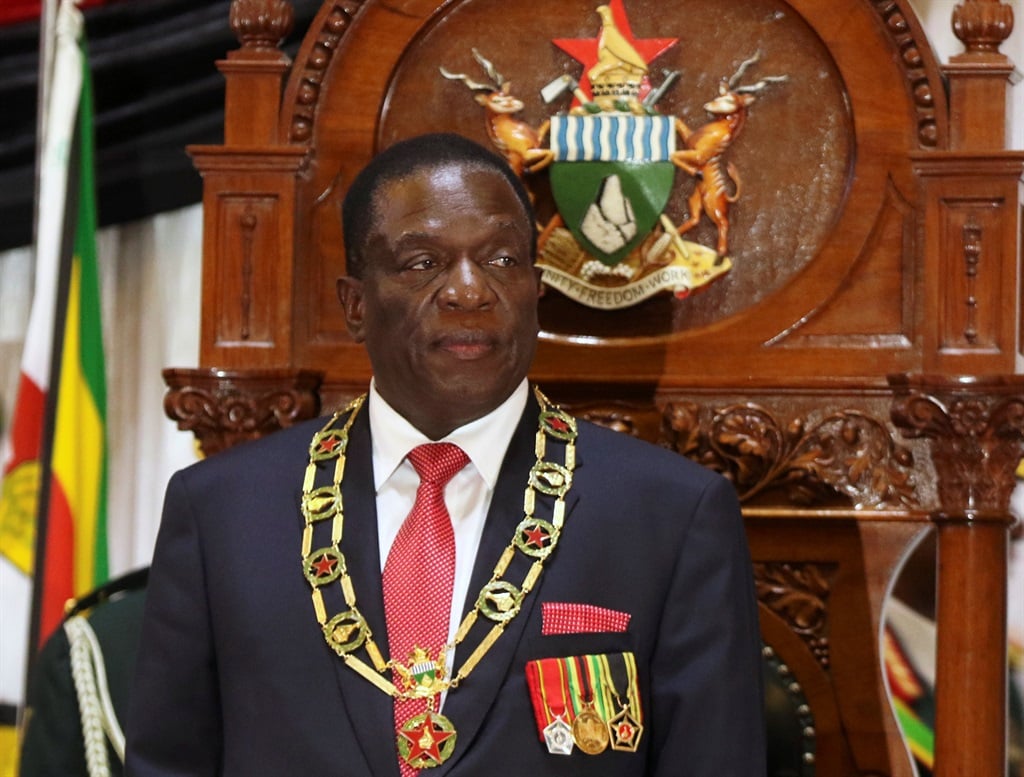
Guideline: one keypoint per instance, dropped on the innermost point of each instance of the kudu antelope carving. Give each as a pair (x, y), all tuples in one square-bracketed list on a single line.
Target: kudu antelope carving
[(515, 139), (705, 146)]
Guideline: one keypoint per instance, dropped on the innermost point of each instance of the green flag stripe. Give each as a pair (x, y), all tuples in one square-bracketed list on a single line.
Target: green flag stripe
[(90, 318)]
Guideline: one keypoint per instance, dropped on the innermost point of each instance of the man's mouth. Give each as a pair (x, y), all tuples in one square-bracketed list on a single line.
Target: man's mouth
[(467, 345)]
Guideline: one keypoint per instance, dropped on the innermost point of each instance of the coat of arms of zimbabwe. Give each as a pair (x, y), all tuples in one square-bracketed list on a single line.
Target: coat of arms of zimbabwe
[(613, 158)]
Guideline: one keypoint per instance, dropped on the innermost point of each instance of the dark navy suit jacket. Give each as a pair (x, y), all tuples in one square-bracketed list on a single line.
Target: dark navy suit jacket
[(235, 678)]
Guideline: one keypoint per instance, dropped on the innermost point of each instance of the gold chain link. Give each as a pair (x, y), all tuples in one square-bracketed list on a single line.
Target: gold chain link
[(498, 600)]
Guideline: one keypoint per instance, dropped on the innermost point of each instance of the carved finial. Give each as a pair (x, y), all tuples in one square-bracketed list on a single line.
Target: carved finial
[(982, 25), (261, 24)]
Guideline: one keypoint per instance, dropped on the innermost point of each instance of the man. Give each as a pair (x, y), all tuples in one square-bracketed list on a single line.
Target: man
[(80, 682), (296, 624)]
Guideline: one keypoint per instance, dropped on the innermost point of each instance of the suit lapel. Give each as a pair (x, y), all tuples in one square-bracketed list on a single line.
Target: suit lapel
[(370, 711), (467, 706)]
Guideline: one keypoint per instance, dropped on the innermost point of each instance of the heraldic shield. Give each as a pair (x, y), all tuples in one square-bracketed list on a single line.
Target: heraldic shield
[(611, 178)]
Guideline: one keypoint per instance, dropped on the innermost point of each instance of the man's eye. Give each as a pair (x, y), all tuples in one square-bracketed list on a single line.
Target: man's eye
[(504, 261), (422, 263)]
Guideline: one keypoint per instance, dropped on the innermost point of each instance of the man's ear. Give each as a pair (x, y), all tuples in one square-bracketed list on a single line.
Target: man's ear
[(350, 293)]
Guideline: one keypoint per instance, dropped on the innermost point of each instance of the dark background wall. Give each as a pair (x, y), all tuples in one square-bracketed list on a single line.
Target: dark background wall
[(156, 90)]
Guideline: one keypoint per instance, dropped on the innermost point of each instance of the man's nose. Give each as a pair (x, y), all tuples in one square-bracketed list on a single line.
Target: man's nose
[(466, 286)]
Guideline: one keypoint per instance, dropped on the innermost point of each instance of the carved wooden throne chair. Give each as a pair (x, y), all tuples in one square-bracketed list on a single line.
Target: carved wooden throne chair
[(822, 302)]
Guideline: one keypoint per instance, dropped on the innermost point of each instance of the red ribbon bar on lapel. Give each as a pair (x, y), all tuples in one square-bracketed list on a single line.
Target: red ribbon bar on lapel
[(550, 694)]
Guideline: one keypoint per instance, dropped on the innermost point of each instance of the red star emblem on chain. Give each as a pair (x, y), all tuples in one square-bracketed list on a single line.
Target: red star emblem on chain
[(425, 740), (558, 424), (536, 536), (585, 50), (329, 443), (324, 565)]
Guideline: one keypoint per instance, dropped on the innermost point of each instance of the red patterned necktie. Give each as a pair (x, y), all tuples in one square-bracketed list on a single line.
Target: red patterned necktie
[(420, 570)]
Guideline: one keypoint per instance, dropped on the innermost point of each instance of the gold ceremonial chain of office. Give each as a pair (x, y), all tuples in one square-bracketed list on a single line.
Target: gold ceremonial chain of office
[(499, 600)]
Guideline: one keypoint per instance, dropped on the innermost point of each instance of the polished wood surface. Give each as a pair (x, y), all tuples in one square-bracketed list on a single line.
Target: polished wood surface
[(853, 374)]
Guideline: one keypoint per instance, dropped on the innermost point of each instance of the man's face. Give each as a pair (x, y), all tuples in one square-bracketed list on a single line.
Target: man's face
[(447, 305)]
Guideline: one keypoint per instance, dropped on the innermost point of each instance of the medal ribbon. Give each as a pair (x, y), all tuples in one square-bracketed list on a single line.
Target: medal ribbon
[(600, 684), (564, 686), (549, 691), (620, 671)]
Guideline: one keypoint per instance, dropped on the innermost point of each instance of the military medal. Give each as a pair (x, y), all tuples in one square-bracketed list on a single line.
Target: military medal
[(426, 740), (624, 731), (624, 728), (579, 695), (558, 736), (589, 731)]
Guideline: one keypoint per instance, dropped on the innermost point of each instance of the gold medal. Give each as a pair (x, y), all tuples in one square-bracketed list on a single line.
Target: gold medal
[(589, 731)]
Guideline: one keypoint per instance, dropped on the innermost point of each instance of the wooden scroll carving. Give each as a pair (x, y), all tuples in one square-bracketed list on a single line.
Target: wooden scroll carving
[(223, 408), (798, 593), (847, 453), (774, 453)]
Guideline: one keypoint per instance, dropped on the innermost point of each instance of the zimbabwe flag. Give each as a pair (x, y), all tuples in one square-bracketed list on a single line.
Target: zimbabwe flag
[(75, 542), (53, 493)]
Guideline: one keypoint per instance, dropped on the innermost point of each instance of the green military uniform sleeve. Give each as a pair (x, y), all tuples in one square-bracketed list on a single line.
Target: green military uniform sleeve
[(53, 742)]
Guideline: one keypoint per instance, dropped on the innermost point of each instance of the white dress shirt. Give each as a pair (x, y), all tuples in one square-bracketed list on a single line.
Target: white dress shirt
[(467, 495)]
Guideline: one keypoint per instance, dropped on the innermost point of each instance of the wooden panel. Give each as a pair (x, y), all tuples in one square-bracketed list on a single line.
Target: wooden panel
[(248, 246), (971, 305), (247, 228), (875, 305), (969, 309)]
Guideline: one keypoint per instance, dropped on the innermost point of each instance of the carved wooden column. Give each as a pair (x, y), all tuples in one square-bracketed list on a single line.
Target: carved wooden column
[(971, 193), (980, 78), (250, 199), (253, 73), (976, 430)]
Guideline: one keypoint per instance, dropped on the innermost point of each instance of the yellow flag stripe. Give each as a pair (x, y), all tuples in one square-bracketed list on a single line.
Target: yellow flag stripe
[(78, 449)]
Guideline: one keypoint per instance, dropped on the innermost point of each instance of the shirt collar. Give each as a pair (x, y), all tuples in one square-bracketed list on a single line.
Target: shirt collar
[(484, 440)]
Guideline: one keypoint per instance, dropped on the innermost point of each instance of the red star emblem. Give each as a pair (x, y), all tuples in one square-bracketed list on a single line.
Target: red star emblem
[(425, 740), (559, 425), (584, 50), (324, 565), (328, 444), (536, 536)]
